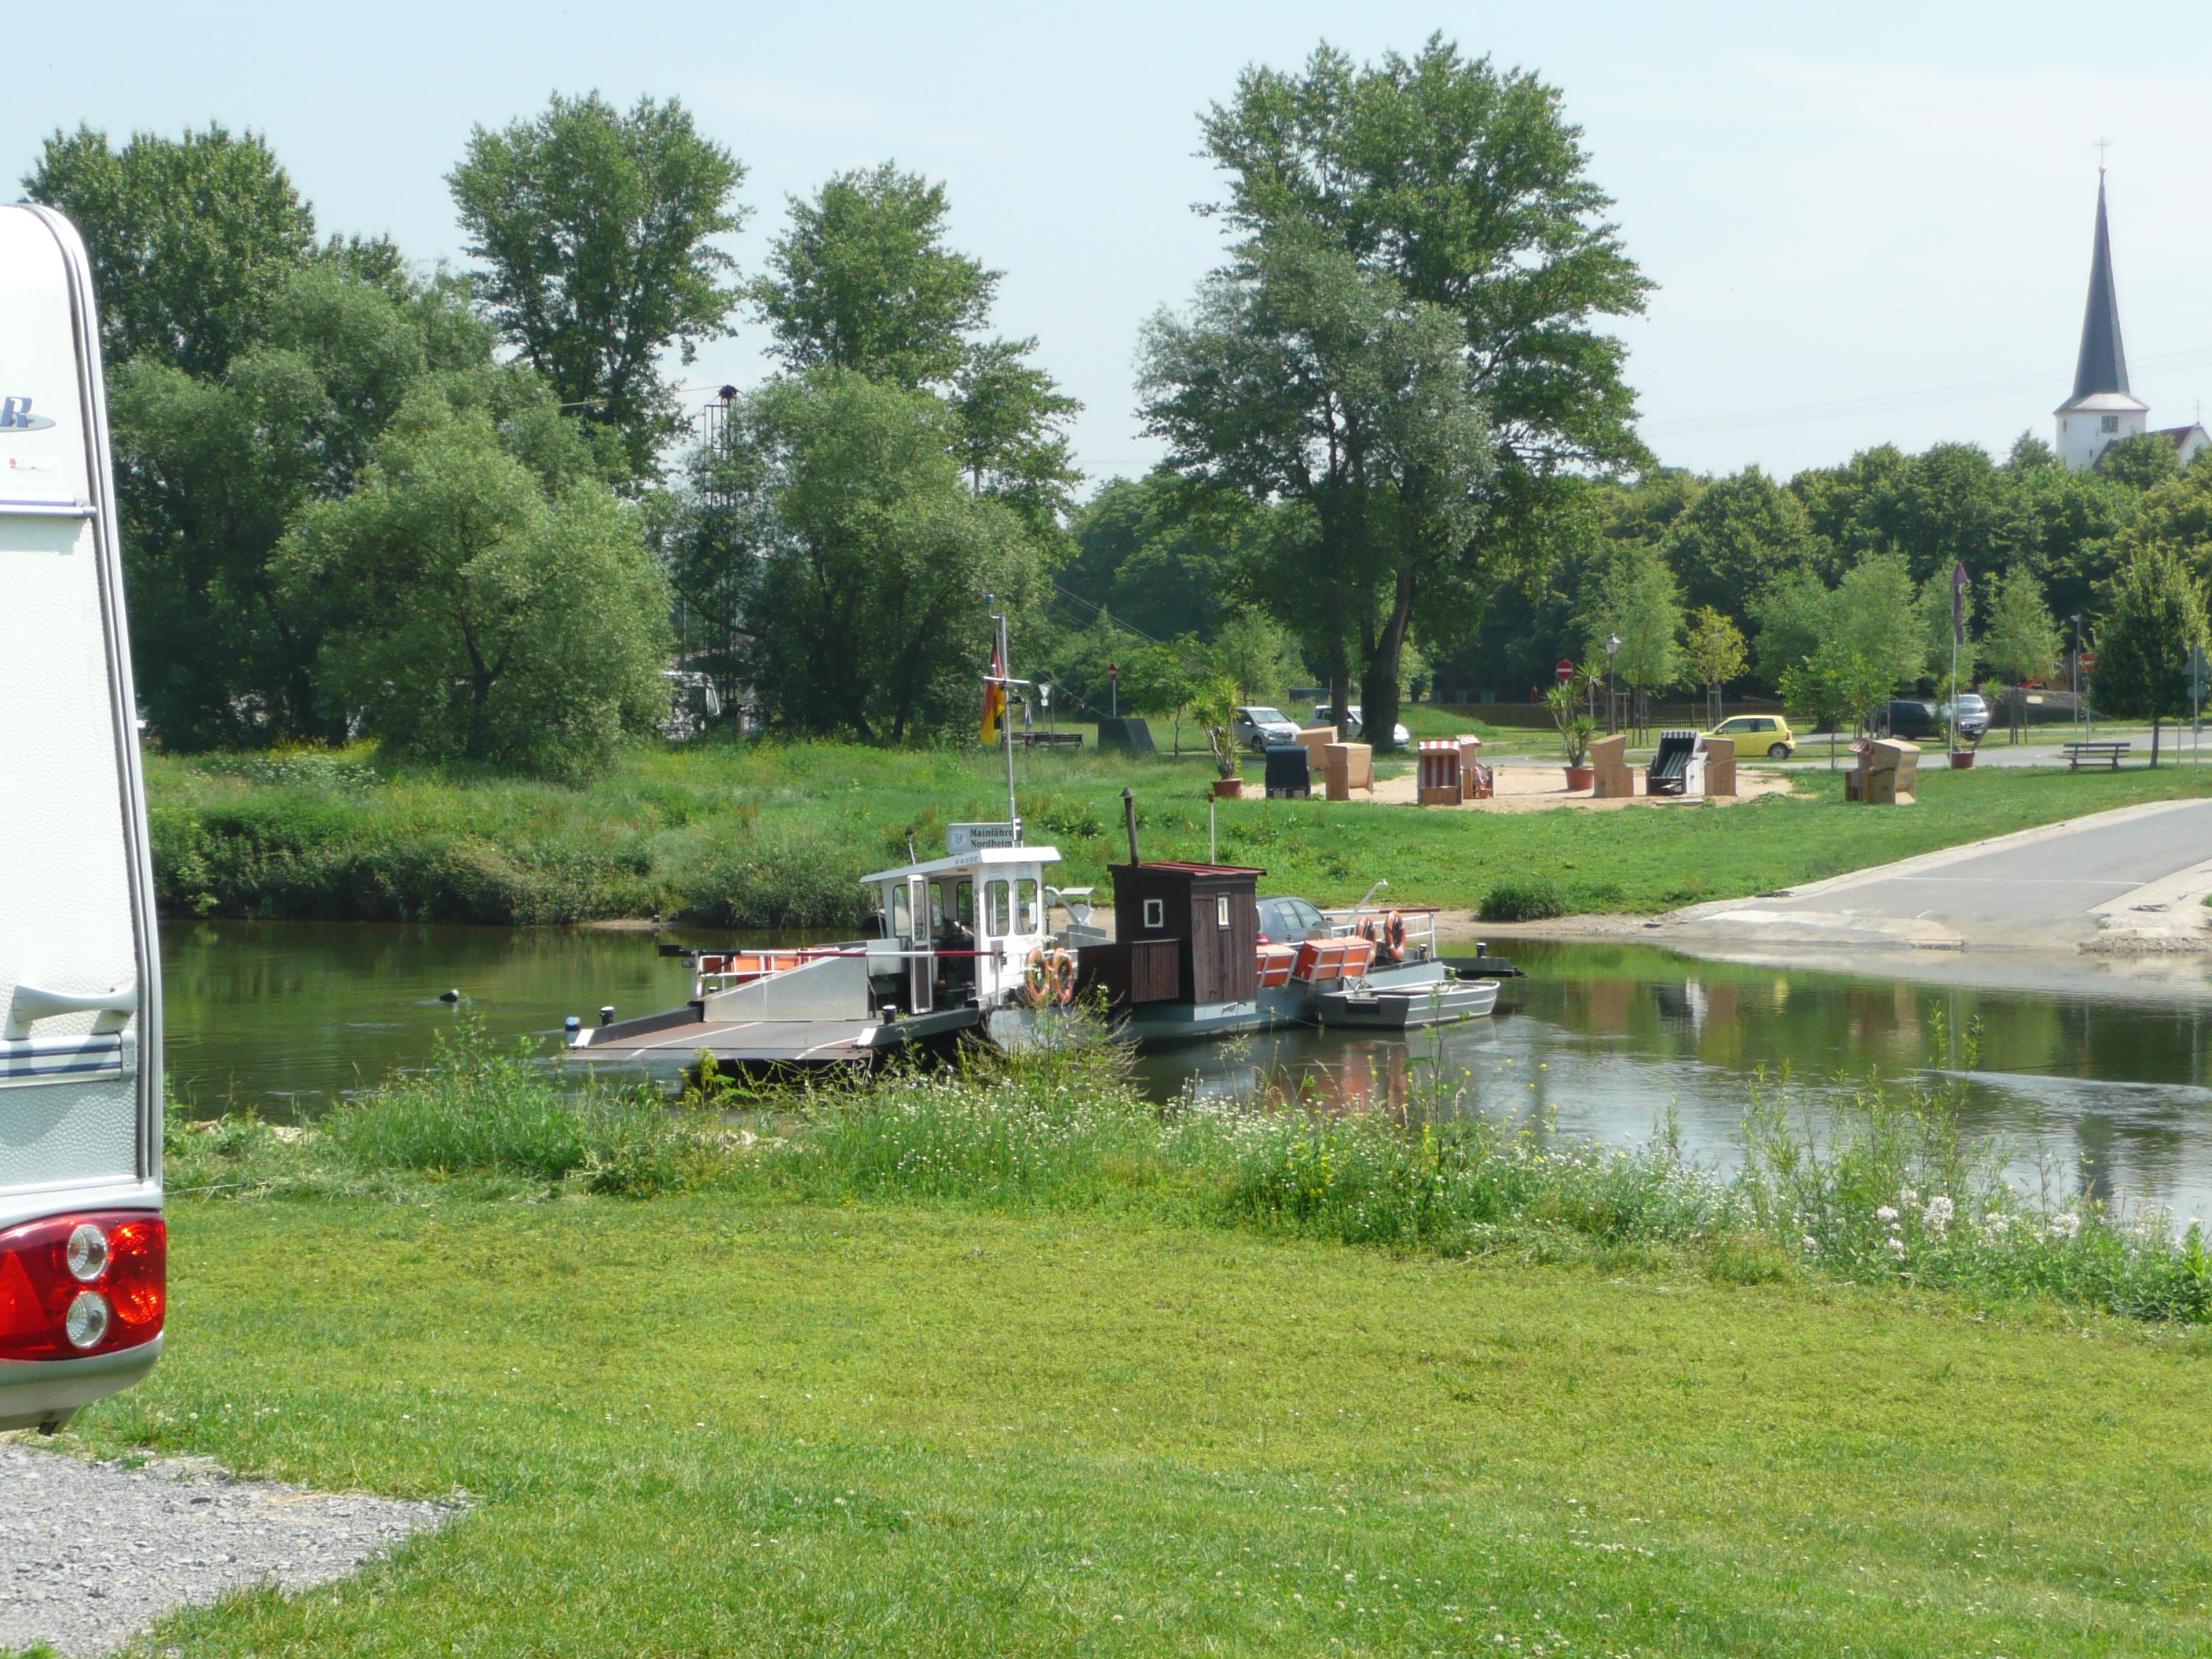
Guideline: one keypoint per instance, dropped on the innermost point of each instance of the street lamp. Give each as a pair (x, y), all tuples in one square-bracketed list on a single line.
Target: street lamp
[(1612, 650), (2075, 676)]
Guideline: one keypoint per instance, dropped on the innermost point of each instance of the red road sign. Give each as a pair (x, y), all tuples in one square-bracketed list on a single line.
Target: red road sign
[(2088, 662), (1113, 671), (1565, 671)]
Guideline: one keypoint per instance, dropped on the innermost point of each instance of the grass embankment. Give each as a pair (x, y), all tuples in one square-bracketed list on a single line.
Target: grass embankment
[(769, 834), (1018, 1365)]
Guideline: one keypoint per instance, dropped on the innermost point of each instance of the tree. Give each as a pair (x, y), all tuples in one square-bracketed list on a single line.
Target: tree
[(2142, 462), (191, 238), (468, 616), (1302, 378), (866, 562), (2021, 641), (1466, 189), (2177, 514), (1714, 652), (2156, 617), (863, 280), (1251, 650), (1741, 535), (1837, 682), (1873, 615), (1637, 601), (1157, 554), (596, 230)]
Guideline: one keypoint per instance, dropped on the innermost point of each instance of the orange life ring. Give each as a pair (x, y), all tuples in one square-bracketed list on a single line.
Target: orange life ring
[(1396, 931), (1049, 977)]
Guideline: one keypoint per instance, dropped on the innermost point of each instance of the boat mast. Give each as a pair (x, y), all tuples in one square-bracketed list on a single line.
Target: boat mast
[(1007, 683)]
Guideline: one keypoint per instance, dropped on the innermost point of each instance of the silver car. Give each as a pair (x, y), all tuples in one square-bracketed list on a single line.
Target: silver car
[(1399, 734), (1257, 726)]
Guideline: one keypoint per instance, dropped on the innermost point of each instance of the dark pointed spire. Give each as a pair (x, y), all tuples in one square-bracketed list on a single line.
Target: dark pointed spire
[(2103, 364)]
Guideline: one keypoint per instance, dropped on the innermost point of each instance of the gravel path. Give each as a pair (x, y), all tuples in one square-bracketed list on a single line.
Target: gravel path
[(90, 1553)]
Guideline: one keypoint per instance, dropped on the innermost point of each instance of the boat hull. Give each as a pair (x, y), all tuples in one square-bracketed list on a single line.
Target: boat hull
[(1410, 1008)]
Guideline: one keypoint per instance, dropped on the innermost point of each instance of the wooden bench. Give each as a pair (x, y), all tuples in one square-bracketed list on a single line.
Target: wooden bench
[(2077, 752), (1049, 739)]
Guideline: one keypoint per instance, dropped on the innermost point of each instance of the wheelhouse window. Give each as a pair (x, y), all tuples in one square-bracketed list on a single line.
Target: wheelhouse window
[(997, 908), (1027, 917), (1221, 910), (901, 917), (1155, 913)]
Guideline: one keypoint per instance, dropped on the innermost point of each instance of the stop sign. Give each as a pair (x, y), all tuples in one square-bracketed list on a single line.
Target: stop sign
[(1113, 671), (1565, 671)]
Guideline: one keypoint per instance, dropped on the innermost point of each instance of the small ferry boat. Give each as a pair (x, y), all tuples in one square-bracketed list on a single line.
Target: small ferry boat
[(964, 948)]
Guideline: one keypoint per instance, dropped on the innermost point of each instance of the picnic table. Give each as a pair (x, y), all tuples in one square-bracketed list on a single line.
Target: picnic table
[(2077, 752)]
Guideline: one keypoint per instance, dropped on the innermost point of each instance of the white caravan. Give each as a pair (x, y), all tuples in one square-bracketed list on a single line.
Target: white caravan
[(83, 1251)]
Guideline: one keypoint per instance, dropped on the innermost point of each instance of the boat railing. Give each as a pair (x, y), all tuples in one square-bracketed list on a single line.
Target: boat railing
[(721, 971), (1374, 921)]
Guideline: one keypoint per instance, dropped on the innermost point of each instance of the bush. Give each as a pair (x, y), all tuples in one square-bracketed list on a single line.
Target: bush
[(1523, 898), (475, 1111)]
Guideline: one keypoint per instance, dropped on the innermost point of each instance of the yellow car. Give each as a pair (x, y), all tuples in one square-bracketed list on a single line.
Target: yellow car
[(1757, 733)]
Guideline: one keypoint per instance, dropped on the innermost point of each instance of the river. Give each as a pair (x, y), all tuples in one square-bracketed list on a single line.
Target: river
[(2093, 1090)]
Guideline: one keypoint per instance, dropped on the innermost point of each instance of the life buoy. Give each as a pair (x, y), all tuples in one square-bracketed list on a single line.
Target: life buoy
[(1396, 931), (1049, 977)]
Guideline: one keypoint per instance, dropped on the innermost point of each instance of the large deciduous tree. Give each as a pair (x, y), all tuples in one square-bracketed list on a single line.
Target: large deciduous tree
[(2020, 640), (2154, 619), (191, 239), (469, 614), (597, 231), (1301, 379), (1454, 188), (868, 562)]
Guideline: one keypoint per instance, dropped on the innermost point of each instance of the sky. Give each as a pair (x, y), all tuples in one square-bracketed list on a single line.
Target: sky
[(1868, 224)]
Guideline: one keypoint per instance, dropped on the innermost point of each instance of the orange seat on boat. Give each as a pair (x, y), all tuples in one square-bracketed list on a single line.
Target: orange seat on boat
[(1276, 962), (1321, 960)]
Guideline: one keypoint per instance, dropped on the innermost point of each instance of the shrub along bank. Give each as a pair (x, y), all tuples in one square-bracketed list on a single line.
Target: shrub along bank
[(769, 834)]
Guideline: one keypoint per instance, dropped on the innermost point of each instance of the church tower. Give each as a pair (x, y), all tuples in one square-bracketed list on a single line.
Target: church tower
[(2102, 411)]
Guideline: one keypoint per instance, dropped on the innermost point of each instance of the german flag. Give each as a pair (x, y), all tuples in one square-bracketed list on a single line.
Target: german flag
[(994, 699)]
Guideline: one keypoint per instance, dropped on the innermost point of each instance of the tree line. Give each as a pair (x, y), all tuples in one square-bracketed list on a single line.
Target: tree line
[(473, 513)]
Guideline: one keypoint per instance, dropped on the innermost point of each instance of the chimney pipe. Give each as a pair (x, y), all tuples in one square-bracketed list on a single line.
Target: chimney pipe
[(1129, 818)]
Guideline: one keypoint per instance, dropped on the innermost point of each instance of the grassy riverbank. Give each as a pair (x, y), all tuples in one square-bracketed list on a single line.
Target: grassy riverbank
[(1011, 1364), (763, 835)]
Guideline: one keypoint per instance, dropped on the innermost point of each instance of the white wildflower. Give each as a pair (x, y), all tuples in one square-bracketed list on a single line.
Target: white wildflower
[(1996, 1221), (1885, 1213), (1896, 1246), (1908, 1196), (1937, 1215), (1812, 1245), (2065, 1225)]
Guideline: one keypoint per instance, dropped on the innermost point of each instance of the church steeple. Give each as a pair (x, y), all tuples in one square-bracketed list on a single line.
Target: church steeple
[(2102, 410), (2103, 364)]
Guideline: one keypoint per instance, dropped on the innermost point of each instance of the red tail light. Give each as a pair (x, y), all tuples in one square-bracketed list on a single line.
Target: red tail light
[(66, 1293)]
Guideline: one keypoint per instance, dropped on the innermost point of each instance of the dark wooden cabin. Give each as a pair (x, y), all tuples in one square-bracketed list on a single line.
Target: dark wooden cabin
[(1209, 912)]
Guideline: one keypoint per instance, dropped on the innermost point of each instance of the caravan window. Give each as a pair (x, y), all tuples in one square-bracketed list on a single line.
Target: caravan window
[(996, 909), (1025, 908), (902, 918)]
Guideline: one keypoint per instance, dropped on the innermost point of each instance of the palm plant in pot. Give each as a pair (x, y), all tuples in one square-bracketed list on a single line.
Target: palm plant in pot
[(1577, 731), (1214, 708)]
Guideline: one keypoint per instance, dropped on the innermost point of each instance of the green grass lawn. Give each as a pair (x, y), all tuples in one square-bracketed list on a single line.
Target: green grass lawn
[(765, 834), (704, 1424)]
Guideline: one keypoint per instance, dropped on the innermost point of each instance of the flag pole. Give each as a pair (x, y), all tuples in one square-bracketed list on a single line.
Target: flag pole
[(1007, 728)]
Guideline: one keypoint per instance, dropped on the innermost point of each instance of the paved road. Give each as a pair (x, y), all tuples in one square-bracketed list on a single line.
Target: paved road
[(2138, 873)]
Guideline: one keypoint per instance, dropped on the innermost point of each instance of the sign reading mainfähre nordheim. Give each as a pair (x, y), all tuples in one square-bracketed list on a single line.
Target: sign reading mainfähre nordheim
[(981, 837)]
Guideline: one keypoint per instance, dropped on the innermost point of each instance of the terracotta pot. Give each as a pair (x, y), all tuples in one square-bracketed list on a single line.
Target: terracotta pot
[(1581, 777), (1229, 788), (1962, 759)]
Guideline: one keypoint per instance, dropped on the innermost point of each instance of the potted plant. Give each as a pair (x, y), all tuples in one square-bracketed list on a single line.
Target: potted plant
[(1577, 731), (1214, 705)]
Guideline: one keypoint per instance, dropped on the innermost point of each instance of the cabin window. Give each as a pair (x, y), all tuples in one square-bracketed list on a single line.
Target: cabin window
[(937, 904), (902, 918), (1025, 908), (1155, 913), (1221, 910), (996, 909), (963, 899)]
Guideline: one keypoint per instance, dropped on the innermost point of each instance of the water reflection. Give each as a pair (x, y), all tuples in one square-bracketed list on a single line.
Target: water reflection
[(2096, 1093)]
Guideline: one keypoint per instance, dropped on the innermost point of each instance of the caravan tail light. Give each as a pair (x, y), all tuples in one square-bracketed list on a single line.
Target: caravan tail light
[(77, 1285)]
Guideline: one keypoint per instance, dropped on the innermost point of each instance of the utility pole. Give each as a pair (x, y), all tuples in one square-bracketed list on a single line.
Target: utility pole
[(1958, 637), (2075, 672), (1612, 650)]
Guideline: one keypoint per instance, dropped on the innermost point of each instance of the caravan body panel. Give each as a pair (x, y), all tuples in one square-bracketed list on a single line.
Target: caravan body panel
[(80, 976)]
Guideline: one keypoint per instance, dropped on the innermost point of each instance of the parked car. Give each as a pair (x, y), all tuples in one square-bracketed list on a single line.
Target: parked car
[(1257, 726), (1903, 717), (1758, 734), (1399, 734), (1290, 921), (1973, 718)]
